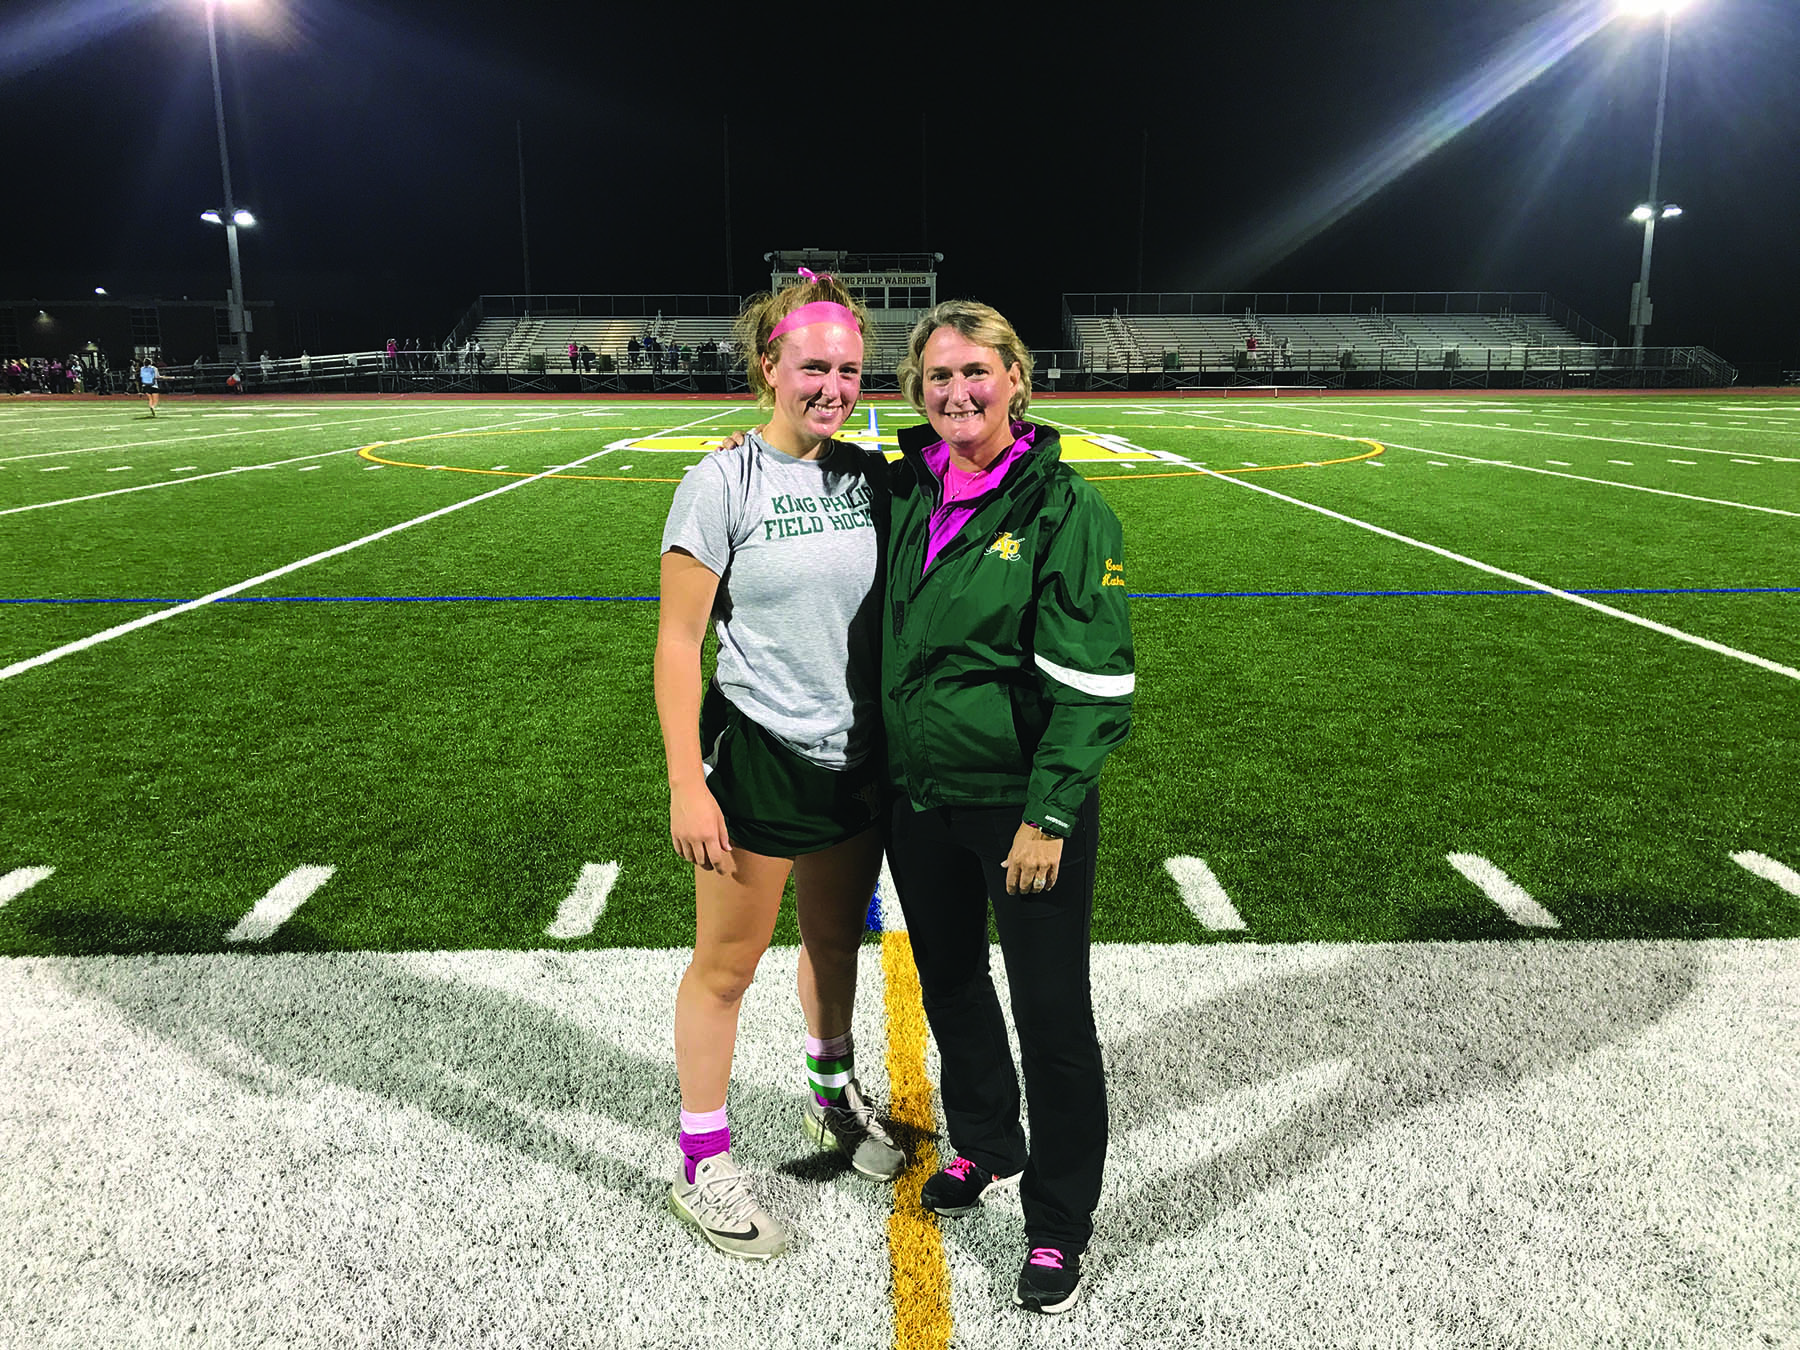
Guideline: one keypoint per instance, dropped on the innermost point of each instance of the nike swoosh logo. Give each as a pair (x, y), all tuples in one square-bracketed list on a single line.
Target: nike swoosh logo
[(746, 1234)]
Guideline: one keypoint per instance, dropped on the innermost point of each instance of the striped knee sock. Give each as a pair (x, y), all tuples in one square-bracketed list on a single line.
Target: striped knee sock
[(703, 1135), (829, 1064)]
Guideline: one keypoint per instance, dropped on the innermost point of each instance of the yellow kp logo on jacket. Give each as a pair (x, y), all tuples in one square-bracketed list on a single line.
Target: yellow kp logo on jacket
[(1006, 546)]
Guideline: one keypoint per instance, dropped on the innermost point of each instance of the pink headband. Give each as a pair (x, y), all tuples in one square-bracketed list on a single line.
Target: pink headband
[(819, 311)]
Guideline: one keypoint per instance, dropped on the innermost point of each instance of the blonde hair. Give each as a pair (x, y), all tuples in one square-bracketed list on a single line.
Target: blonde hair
[(981, 324), (763, 312)]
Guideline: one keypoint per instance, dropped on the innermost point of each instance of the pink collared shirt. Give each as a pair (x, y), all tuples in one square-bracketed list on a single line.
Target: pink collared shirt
[(957, 502)]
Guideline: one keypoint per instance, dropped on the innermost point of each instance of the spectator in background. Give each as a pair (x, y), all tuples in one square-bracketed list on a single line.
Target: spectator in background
[(305, 365), (268, 366), (148, 376), (393, 353), (633, 350), (574, 357)]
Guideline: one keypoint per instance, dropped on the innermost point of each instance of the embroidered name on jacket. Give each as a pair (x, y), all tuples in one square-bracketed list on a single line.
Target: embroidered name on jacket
[(1115, 574), (1006, 546)]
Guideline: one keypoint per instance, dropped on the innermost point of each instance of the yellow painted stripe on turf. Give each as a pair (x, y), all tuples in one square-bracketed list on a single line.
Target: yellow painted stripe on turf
[(915, 1247), (364, 453), (1378, 449)]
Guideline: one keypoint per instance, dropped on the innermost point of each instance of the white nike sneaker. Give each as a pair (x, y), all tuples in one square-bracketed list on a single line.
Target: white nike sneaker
[(718, 1202)]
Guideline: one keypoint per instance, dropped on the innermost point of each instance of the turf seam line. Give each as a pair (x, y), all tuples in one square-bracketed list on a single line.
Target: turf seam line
[(1514, 901), (142, 621), (1678, 634)]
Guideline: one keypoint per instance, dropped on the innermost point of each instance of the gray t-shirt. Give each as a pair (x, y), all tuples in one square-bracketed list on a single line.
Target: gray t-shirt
[(793, 543)]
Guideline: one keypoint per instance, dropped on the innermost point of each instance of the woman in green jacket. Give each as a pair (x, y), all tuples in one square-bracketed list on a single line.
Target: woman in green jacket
[(1007, 668)]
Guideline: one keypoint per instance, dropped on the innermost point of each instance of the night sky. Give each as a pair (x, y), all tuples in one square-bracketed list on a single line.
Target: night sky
[(1303, 145)]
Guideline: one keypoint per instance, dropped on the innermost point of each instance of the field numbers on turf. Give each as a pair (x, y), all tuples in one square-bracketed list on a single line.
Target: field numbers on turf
[(1762, 865), (582, 907), (21, 879), (1511, 897), (278, 906), (1203, 895)]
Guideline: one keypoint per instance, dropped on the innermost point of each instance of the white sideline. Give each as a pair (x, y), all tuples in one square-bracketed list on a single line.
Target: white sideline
[(221, 435), (1602, 482), (1203, 895), (278, 906), (1678, 634), (1581, 436), (1769, 870), (582, 907), (176, 482), (119, 630), (1502, 890), (21, 879)]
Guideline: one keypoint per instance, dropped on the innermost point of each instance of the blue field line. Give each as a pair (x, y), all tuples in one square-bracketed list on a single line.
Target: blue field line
[(1135, 595)]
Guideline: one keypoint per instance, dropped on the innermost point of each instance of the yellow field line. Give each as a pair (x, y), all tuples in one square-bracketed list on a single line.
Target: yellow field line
[(915, 1248), (365, 453), (1379, 448)]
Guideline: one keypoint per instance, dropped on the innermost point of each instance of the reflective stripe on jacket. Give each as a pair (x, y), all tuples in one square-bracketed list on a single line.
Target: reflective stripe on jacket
[(1008, 666)]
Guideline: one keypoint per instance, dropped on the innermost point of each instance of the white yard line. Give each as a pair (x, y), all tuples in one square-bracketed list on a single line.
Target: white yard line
[(1502, 890), (174, 482), (1577, 436), (1203, 895), (1769, 870), (582, 907), (222, 435), (120, 630), (1600, 482), (278, 906), (1678, 634), (21, 879)]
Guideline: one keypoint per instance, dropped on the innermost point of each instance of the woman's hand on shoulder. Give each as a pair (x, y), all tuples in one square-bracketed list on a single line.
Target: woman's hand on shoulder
[(697, 828), (732, 441)]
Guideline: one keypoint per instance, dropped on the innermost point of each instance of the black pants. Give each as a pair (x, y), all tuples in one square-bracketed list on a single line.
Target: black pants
[(949, 865)]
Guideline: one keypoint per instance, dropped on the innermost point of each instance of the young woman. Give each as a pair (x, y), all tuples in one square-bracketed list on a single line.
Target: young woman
[(1009, 677), (777, 767)]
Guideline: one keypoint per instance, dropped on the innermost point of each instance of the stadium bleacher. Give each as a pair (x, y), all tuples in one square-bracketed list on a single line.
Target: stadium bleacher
[(1127, 334)]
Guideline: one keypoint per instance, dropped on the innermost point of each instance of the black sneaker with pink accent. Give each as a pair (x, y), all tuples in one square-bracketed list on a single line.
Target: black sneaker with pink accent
[(1049, 1280), (959, 1188)]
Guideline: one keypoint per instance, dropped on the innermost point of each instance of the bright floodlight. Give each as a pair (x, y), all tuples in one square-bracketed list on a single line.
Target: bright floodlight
[(99, 290), (1644, 9), (1671, 210), (243, 217), (1643, 213), (212, 216)]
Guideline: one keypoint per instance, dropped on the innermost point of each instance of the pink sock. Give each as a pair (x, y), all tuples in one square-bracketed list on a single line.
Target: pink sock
[(704, 1134)]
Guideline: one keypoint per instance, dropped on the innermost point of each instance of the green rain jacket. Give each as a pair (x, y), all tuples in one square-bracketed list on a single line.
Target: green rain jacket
[(1007, 666)]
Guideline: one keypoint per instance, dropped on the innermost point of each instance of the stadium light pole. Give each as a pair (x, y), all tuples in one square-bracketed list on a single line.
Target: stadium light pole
[(231, 217), (1654, 208)]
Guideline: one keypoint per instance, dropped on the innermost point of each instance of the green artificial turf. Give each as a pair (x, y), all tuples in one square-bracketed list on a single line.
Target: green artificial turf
[(457, 745)]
